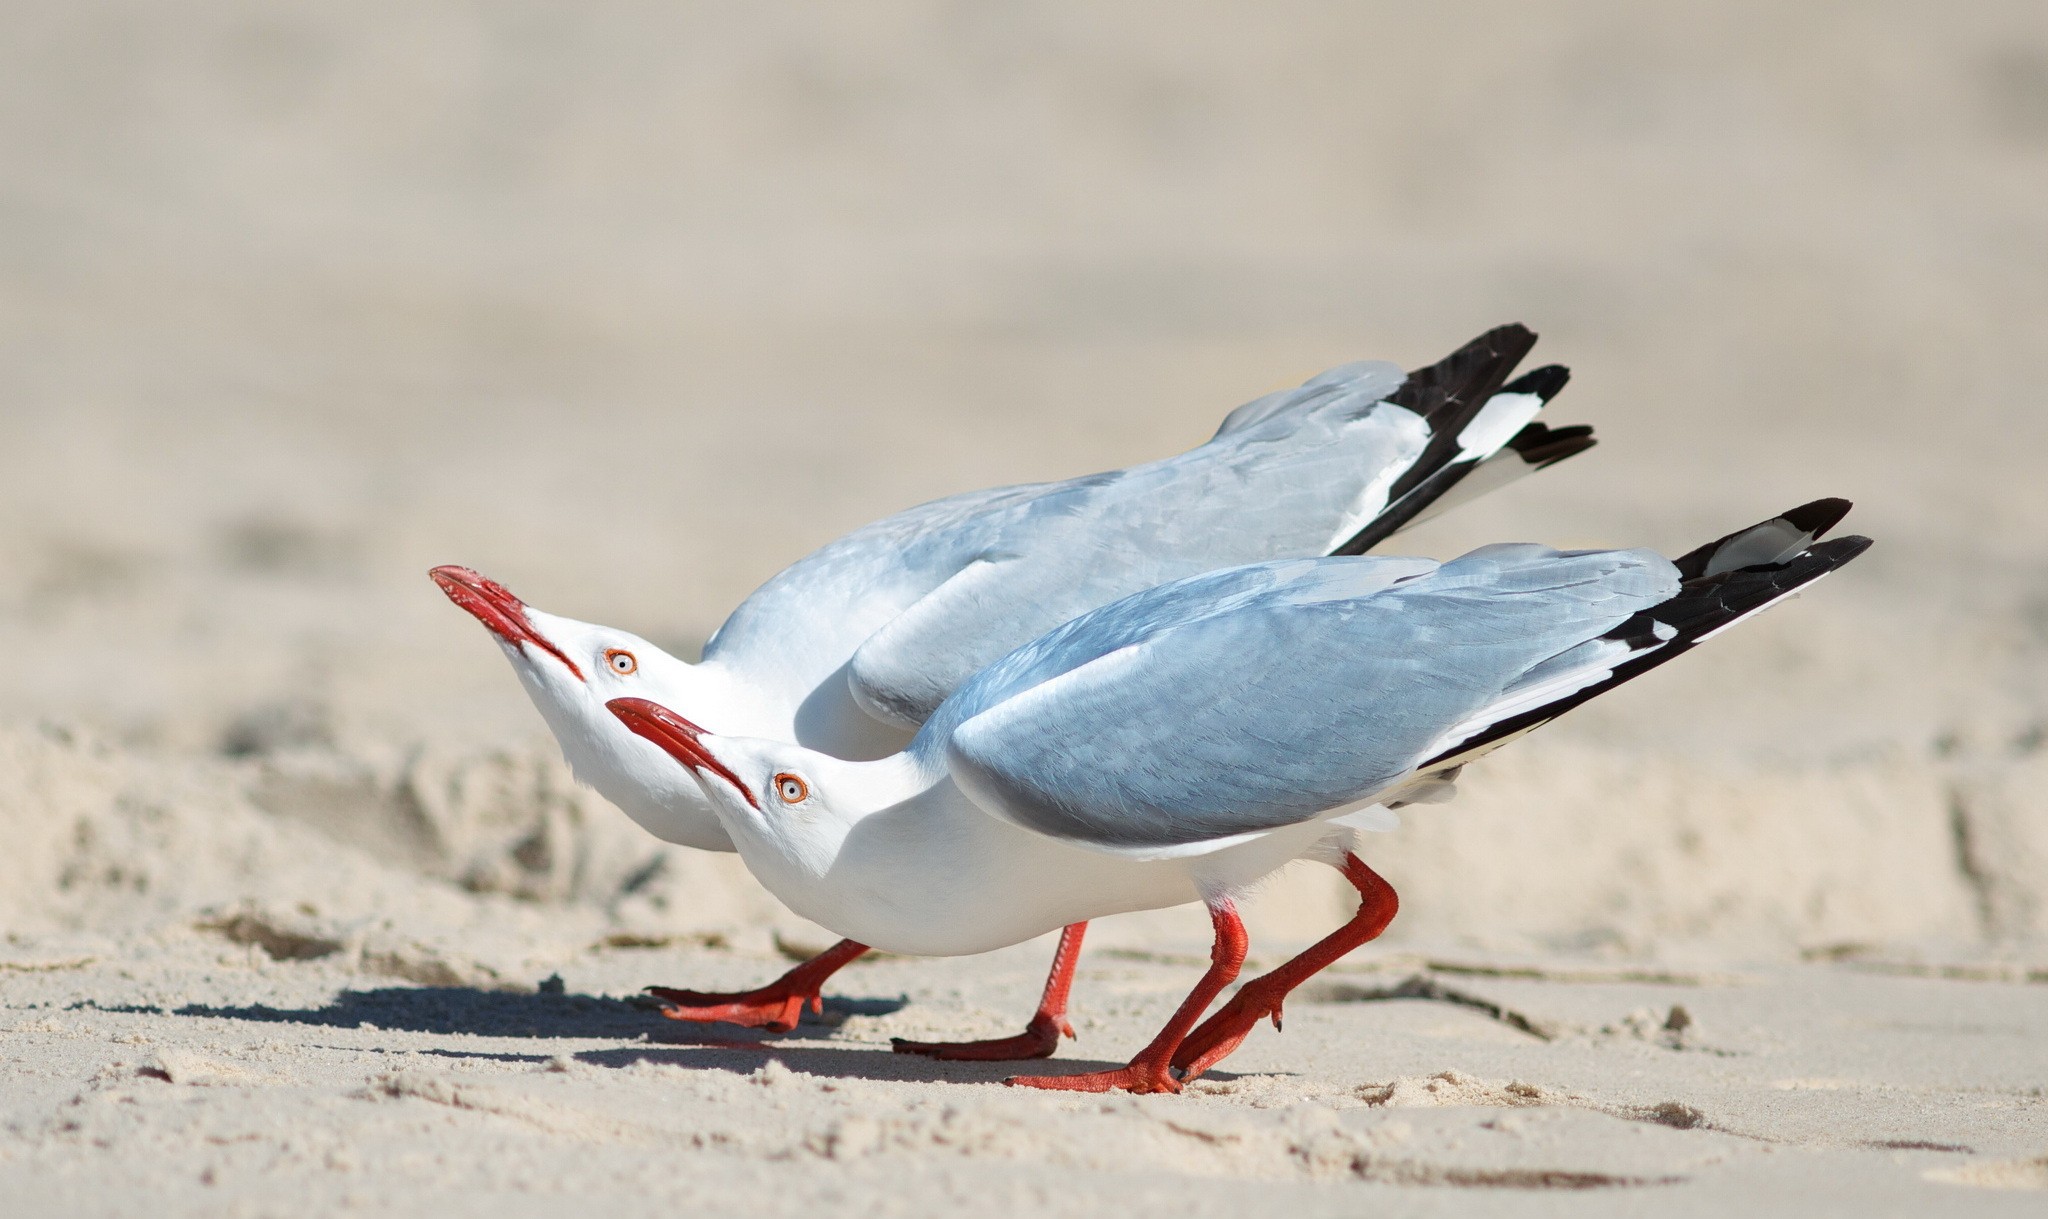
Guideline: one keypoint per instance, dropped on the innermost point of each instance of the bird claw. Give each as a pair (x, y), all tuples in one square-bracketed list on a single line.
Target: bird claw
[(775, 1008), (1137, 1077), (1039, 1039), (1218, 1036)]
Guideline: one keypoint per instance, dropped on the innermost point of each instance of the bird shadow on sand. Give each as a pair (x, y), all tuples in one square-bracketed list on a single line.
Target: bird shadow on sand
[(496, 1013), (460, 1010), (848, 1062)]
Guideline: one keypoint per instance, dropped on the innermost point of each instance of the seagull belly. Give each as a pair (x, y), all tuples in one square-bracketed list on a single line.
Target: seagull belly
[(954, 885)]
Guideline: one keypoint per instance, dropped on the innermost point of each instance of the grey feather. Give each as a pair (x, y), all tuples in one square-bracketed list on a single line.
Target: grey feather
[(1245, 700), (924, 599), (894, 617), (1373, 378)]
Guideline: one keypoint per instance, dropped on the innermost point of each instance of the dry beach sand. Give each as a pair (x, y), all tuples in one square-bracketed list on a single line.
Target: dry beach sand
[(629, 304)]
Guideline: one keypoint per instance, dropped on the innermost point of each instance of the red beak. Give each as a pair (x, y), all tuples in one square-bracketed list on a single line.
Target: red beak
[(503, 614), (677, 737)]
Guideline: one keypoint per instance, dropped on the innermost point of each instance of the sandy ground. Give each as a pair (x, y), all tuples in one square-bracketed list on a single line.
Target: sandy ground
[(214, 1080), (629, 304)]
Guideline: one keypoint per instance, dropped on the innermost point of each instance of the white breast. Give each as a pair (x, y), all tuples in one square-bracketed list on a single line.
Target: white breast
[(935, 876)]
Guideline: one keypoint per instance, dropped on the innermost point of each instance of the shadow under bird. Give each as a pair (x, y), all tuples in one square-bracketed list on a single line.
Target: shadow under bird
[(1183, 743), (851, 648)]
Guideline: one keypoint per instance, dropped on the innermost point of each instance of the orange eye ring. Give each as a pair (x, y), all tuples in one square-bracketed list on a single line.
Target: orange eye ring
[(621, 662), (791, 789)]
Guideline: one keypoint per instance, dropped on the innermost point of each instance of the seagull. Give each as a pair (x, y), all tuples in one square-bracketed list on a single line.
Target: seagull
[(850, 649), (1185, 742)]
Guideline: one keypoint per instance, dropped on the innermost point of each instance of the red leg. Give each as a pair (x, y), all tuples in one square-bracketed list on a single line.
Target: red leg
[(1262, 997), (775, 1007), (1039, 1038), (1151, 1070)]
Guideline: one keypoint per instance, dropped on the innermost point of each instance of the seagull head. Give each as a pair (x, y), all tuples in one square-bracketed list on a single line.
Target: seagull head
[(570, 669), (800, 802)]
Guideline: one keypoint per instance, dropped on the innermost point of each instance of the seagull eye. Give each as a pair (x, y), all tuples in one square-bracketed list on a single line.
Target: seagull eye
[(792, 789), (620, 660)]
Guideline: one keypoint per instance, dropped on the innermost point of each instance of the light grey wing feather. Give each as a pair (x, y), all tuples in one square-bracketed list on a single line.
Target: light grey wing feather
[(898, 614), (893, 676), (806, 621), (1157, 723), (1374, 378), (1289, 478)]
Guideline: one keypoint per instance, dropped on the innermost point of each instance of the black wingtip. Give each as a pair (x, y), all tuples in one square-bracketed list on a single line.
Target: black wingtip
[(1544, 382), (1466, 379), (1842, 549), (1449, 394), (1703, 608), (1509, 343), (1811, 519), (1540, 445), (1510, 334), (1818, 517)]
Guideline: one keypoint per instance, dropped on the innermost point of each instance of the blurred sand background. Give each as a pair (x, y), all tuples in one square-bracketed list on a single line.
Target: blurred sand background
[(628, 305)]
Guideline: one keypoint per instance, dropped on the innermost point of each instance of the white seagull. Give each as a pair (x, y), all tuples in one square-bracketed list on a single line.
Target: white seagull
[(1185, 742), (850, 649)]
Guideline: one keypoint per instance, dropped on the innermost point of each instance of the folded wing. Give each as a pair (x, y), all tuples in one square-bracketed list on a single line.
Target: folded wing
[(1339, 462), (1243, 701)]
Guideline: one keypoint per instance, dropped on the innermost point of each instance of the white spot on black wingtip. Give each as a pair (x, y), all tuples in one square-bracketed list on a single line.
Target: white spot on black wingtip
[(1772, 542), (1791, 579), (1469, 417), (1704, 608)]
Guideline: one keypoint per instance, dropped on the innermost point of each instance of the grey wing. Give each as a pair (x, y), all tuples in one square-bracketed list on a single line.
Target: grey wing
[(809, 618), (1303, 698), (1293, 477), (1336, 464)]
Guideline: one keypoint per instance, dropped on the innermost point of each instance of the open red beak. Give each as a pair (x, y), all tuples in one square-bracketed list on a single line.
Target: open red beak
[(677, 737), (503, 614)]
